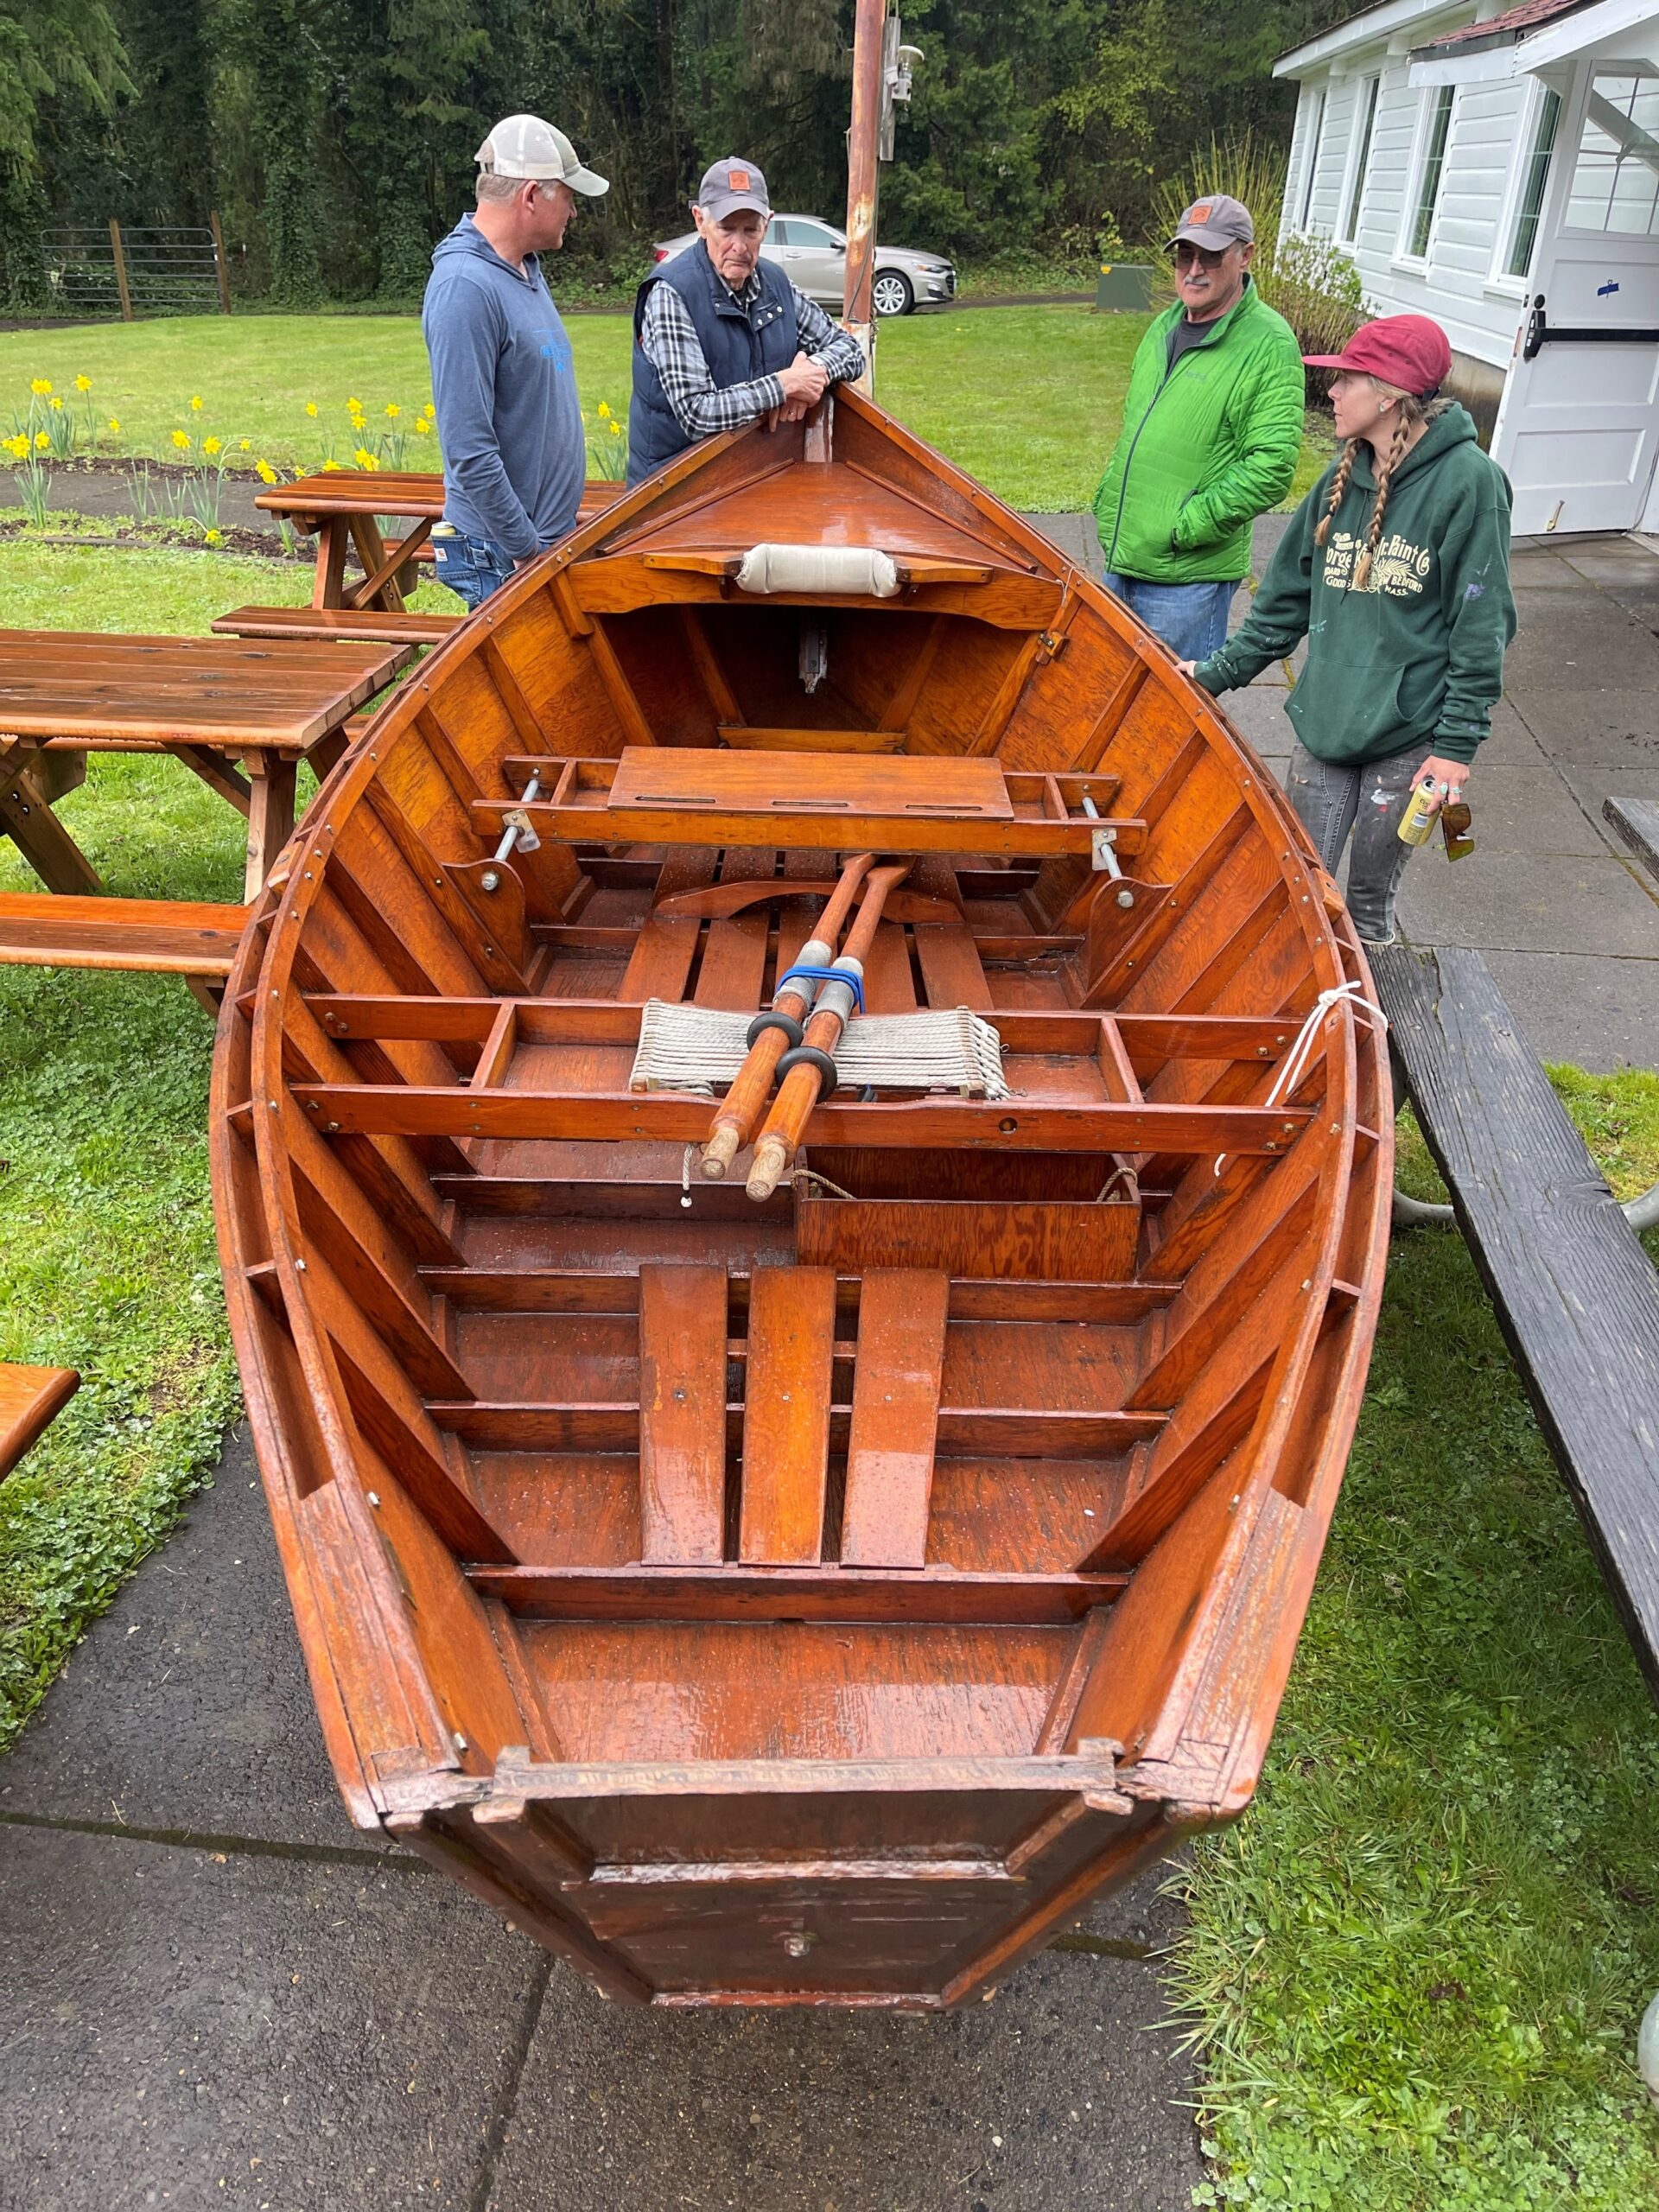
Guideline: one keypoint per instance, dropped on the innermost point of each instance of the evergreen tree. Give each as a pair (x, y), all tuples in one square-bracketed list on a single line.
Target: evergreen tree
[(62, 65)]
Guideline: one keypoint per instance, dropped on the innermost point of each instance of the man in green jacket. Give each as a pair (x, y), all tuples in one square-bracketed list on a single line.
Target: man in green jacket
[(1213, 425)]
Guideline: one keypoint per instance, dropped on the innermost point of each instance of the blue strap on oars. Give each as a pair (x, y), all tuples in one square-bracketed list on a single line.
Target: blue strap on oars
[(855, 983)]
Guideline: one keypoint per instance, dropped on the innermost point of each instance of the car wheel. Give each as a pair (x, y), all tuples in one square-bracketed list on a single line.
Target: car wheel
[(891, 293)]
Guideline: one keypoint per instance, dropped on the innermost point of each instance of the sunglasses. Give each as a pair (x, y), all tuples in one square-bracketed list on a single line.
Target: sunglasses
[(1186, 255)]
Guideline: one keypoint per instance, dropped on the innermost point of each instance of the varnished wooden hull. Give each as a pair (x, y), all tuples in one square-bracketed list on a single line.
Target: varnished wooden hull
[(628, 1594)]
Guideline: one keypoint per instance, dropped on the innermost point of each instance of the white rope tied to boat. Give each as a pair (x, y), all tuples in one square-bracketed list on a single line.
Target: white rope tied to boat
[(1291, 1067), (695, 1048), (836, 570)]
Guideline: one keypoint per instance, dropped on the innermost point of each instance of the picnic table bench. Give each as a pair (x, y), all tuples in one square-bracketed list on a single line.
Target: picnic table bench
[(31, 1398), (343, 507), (207, 701), (1576, 1296)]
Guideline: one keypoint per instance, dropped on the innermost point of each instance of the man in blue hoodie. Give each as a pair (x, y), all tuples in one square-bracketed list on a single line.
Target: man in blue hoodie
[(515, 455)]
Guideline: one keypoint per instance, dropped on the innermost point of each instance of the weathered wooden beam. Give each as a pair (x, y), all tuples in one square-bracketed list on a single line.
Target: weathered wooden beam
[(1576, 1296)]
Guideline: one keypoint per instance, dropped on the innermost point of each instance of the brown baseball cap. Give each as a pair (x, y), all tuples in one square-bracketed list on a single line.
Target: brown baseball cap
[(1215, 222)]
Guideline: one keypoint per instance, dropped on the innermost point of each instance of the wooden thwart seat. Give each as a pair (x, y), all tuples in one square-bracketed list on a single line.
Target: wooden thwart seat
[(31, 1398), (155, 936), (791, 801)]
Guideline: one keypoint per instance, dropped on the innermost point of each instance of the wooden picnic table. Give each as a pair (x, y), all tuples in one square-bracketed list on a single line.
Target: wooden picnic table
[(343, 507), (209, 701)]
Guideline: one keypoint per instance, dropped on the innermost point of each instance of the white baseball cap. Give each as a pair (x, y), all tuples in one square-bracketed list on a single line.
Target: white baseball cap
[(523, 145)]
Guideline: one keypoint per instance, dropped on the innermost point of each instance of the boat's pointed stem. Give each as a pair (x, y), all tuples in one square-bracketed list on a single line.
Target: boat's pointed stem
[(804, 1078), (739, 1109)]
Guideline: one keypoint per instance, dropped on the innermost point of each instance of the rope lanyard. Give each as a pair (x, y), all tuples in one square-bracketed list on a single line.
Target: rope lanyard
[(1351, 993)]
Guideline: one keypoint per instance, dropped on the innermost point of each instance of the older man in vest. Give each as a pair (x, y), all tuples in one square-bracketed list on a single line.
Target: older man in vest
[(721, 337)]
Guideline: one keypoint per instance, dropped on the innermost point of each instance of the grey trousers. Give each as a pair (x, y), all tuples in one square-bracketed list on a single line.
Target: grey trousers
[(1331, 798)]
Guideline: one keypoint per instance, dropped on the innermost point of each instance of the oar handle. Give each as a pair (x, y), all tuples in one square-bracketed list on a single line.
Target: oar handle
[(736, 1115), (799, 1093)]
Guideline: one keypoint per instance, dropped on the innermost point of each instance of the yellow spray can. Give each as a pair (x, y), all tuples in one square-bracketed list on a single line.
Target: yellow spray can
[(1418, 818)]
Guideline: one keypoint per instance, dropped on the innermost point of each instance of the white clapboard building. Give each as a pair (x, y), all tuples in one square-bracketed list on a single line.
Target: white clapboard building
[(1499, 169)]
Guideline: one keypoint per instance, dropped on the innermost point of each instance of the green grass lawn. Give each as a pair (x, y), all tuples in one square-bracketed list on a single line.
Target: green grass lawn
[(1416, 1969), (1029, 399)]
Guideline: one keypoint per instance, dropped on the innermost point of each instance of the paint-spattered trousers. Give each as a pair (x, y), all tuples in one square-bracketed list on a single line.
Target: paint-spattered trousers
[(1331, 798)]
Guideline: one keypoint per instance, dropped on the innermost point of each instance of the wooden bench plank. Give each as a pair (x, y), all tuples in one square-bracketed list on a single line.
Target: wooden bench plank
[(786, 1415), (1577, 1297), (31, 1398), (373, 625), (681, 1415), (157, 936), (1637, 821), (902, 1312)]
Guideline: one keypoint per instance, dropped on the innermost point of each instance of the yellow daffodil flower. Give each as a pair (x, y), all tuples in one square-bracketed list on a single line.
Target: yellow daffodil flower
[(210, 445), (41, 441), (604, 412), (365, 459), (393, 410), (421, 426), (40, 386), (311, 409), (330, 466), (181, 440), (616, 428), (195, 403), (83, 384), (264, 472), (213, 537), (244, 445), (114, 423), (57, 407), (16, 447)]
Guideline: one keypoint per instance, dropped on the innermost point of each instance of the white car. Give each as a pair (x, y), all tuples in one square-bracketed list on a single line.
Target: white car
[(813, 255)]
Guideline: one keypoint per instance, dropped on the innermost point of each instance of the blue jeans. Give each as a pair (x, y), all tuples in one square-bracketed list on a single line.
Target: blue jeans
[(471, 567), (1190, 619)]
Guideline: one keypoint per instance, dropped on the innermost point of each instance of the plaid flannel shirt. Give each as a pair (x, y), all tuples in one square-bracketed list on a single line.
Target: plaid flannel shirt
[(671, 344)]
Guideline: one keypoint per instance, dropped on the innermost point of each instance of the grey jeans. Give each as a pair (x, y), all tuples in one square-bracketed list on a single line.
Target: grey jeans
[(1333, 797)]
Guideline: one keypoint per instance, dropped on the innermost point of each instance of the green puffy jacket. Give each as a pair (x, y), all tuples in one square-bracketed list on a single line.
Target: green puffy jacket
[(1205, 448)]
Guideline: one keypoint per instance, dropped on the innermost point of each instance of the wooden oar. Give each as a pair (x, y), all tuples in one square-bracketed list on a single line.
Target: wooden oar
[(797, 1094), (741, 1108)]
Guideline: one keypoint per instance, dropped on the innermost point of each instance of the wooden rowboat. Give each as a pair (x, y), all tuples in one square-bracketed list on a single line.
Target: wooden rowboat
[(815, 1596)]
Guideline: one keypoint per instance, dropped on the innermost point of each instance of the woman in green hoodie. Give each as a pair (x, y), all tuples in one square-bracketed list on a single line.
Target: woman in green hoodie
[(1396, 568)]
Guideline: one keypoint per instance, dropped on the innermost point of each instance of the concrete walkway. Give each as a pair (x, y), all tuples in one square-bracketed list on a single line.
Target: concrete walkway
[(219, 1993)]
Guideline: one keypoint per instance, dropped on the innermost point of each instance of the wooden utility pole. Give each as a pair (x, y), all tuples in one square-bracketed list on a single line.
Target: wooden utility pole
[(121, 270), (863, 169)]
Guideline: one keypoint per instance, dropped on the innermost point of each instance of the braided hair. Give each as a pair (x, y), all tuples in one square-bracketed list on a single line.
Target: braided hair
[(1413, 409)]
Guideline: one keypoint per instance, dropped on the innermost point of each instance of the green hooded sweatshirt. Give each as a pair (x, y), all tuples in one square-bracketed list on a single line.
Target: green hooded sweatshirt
[(1205, 446), (1416, 657)]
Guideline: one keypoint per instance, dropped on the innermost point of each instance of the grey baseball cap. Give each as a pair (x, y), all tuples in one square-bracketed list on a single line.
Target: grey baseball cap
[(731, 184), (523, 145), (1214, 223)]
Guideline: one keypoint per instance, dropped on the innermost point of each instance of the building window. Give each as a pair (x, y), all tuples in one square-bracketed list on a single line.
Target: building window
[(1365, 118), (1615, 175), (1311, 169), (1428, 177), (1533, 178)]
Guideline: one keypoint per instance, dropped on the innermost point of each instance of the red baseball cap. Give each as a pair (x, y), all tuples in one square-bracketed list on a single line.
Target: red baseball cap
[(1404, 349)]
